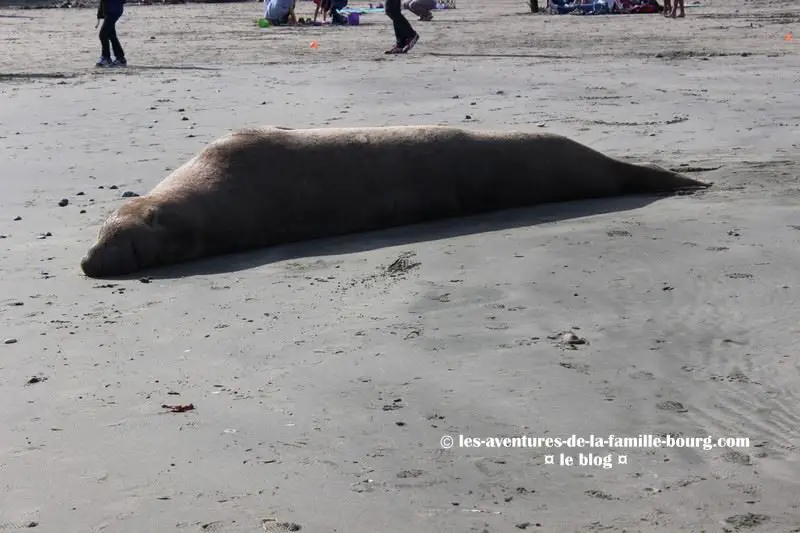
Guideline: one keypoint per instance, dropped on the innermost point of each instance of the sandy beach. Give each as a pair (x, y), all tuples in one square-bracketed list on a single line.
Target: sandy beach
[(322, 380)]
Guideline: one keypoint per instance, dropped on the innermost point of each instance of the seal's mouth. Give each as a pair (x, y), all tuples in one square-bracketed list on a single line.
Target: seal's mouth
[(106, 260)]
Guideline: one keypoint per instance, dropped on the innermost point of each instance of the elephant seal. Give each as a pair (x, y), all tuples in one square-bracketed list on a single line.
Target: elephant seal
[(266, 186)]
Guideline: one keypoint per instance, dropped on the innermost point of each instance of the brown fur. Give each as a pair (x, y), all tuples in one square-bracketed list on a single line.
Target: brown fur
[(267, 186)]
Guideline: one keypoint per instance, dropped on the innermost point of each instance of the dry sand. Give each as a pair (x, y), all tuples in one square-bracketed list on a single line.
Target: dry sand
[(322, 383)]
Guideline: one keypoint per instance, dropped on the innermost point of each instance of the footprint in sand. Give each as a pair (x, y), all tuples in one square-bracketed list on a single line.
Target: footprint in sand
[(671, 405), (269, 525)]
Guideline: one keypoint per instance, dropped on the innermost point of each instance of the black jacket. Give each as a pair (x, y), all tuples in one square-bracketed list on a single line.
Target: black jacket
[(109, 7)]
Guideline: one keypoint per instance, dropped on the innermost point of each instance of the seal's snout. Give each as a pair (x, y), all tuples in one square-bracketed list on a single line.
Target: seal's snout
[(89, 265), (109, 259)]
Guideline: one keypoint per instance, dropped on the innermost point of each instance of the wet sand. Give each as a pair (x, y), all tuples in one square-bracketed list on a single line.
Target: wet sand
[(322, 382)]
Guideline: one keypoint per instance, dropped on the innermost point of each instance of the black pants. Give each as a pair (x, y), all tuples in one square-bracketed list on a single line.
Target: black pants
[(108, 36), (402, 28)]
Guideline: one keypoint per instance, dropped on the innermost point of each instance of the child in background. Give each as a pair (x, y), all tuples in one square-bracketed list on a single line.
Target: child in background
[(324, 6), (421, 8), (109, 11), (279, 12), (404, 34)]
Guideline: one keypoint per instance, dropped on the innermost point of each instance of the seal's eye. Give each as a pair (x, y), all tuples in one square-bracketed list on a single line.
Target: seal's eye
[(166, 219), (151, 217)]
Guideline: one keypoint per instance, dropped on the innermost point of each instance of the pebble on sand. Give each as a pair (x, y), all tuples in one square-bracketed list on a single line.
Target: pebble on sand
[(10, 341), (63, 202)]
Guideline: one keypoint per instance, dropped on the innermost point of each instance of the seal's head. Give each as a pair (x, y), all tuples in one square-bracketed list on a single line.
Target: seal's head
[(140, 234)]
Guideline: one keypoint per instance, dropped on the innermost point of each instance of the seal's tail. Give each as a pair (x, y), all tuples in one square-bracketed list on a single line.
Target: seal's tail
[(650, 178)]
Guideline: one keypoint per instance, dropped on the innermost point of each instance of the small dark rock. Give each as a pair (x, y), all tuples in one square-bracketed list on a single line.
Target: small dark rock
[(80, 193), (113, 187), (10, 341), (17, 218), (599, 494), (410, 473), (63, 202), (130, 194)]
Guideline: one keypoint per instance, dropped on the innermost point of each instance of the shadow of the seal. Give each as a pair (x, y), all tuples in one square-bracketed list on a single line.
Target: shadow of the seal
[(400, 236)]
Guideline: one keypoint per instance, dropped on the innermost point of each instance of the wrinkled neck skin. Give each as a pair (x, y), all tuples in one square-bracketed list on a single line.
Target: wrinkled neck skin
[(146, 232)]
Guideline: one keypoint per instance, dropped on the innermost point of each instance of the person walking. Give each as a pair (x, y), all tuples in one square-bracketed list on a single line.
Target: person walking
[(675, 5), (109, 11), (404, 34)]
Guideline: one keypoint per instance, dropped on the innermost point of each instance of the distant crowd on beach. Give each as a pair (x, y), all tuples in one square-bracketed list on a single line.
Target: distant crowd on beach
[(282, 12), (674, 8)]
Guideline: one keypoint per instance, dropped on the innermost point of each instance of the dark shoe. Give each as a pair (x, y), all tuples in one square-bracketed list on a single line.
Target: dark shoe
[(410, 43), (119, 62), (104, 62), (396, 49)]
